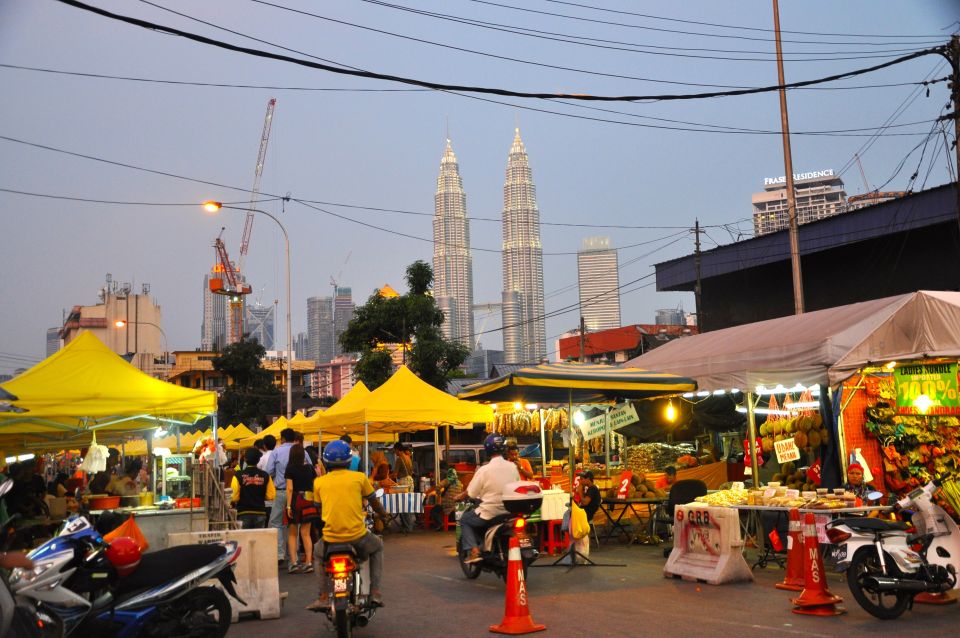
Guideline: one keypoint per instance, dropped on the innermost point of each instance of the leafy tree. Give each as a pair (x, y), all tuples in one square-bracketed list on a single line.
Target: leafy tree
[(412, 319), (252, 396)]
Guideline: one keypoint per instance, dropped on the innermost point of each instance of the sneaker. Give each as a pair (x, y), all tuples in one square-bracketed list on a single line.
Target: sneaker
[(293, 568), (306, 568), (474, 556)]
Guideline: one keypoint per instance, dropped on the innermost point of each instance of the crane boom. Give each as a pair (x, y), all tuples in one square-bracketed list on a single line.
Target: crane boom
[(258, 173)]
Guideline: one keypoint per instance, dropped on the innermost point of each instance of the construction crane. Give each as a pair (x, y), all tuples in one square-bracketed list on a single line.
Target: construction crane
[(866, 184), (231, 282)]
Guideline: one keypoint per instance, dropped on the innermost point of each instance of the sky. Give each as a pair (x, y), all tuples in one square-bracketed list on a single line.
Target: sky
[(356, 142)]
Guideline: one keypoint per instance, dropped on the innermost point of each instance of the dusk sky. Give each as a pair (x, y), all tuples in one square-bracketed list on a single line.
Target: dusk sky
[(353, 142)]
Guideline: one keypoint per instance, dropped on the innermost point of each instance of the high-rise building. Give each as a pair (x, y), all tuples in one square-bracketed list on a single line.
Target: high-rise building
[(599, 279), (301, 346), (452, 263), (343, 309), (53, 340), (819, 194), (259, 322), (320, 345), (525, 337)]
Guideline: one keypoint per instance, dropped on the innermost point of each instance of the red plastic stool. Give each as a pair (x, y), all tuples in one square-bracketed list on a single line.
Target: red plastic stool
[(425, 521), (554, 539)]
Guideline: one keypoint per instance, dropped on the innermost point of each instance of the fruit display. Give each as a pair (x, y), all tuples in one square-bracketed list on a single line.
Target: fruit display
[(524, 423), (725, 498), (654, 457), (793, 477), (807, 431)]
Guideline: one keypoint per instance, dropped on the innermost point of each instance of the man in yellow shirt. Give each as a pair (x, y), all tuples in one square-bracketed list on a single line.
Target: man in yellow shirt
[(341, 493)]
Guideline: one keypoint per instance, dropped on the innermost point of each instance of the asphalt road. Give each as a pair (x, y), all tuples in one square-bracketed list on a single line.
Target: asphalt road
[(426, 594)]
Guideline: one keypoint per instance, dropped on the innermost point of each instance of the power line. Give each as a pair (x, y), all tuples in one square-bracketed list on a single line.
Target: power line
[(113, 201), (490, 90)]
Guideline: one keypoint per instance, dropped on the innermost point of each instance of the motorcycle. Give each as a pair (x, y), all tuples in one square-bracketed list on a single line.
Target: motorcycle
[(883, 571), (349, 575), (74, 581), (520, 499)]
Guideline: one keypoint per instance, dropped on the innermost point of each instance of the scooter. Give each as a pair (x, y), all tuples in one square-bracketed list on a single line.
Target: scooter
[(74, 581), (521, 499), (884, 572)]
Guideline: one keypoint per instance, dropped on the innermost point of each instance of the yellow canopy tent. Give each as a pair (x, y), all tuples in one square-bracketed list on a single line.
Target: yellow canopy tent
[(239, 432), (355, 397), (274, 429), (86, 387)]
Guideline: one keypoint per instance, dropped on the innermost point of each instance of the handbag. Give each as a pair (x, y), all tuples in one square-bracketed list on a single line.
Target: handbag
[(306, 509)]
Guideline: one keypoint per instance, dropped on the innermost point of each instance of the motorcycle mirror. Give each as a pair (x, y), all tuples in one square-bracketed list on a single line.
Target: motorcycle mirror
[(5, 487), (874, 496)]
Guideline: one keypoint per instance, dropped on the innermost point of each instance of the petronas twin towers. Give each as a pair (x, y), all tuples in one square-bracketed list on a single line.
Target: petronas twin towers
[(524, 335)]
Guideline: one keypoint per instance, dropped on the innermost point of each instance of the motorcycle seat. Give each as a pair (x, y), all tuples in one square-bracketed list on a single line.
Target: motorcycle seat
[(157, 568), (872, 524), (338, 548)]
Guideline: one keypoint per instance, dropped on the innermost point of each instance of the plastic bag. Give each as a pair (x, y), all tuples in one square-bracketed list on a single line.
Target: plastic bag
[(579, 525), (130, 529), (96, 458)]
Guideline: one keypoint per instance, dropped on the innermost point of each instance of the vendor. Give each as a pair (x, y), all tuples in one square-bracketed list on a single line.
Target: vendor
[(523, 465), (100, 483), (665, 482), (855, 482), (127, 484)]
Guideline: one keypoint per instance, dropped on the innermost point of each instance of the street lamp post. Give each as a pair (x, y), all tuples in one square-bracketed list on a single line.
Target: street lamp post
[(212, 207), (121, 323)]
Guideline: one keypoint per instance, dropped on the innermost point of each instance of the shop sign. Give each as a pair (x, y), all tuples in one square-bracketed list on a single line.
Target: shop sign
[(786, 450), (936, 381), (596, 427)]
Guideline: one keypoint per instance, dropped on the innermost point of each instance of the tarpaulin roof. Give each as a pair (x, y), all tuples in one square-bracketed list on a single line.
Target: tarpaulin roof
[(405, 403), (274, 429), (87, 386), (824, 346), (578, 382), (350, 401)]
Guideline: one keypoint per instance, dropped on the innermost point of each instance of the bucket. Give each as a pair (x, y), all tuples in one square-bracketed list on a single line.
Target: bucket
[(146, 498)]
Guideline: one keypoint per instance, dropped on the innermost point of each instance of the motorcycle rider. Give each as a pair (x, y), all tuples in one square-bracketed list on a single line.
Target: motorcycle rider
[(341, 493), (487, 485)]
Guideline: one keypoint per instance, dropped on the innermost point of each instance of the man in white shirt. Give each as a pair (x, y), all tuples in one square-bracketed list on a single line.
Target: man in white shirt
[(487, 485)]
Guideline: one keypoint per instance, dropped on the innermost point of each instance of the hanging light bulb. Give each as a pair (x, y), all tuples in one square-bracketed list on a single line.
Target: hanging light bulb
[(670, 412), (579, 418)]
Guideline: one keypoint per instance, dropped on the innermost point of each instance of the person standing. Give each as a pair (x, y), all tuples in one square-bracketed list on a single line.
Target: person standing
[(403, 468), (276, 467), (523, 465), (252, 487), (301, 509)]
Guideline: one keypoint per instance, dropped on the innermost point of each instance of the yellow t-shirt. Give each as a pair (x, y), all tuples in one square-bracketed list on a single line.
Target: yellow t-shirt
[(340, 494)]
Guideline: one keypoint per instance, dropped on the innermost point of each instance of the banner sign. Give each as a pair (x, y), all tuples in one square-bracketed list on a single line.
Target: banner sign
[(594, 428), (786, 450), (935, 381)]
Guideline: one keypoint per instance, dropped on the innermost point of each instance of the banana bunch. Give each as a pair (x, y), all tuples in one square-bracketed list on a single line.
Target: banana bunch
[(951, 492)]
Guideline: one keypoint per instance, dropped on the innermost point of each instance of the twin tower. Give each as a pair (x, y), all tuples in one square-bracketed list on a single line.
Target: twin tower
[(524, 334)]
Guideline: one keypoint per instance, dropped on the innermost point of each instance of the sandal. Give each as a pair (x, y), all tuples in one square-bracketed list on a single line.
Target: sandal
[(307, 568)]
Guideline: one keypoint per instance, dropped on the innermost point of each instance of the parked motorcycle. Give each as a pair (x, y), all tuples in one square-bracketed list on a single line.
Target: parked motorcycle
[(521, 499), (77, 579), (884, 572)]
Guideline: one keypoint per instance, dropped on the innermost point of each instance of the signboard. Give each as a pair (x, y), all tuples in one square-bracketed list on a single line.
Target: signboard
[(747, 460), (623, 490), (935, 381), (767, 181), (596, 427), (786, 450)]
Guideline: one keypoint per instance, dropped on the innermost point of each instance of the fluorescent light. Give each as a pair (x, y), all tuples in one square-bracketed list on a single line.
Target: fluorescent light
[(688, 395), (517, 405), (532, 406), (703, 393), (11, 459), (719, 392), (25, 457), (734, 390)]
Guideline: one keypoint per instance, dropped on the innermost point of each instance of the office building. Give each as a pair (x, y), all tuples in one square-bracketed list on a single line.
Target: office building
[(452, 264), (334, 378), (53, 340), (599, 282), (819, 194), (343, 309), (259, 322), (524, 328), (320, 344), (301, 346), (670, 317)]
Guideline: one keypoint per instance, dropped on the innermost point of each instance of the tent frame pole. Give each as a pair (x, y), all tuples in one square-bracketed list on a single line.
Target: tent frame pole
[(752, 429), (543, 443)]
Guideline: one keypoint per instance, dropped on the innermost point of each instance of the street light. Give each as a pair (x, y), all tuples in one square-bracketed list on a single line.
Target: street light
[(120, 323), (212, 207)]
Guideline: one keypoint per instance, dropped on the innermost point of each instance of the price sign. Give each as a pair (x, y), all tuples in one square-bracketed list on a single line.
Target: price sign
[(786, 450), (623, 490), (576, 489), (746, 453), (937, 382)]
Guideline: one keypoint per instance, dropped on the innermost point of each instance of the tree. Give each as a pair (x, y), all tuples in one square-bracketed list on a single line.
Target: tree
[(412, 320), (252, 395)]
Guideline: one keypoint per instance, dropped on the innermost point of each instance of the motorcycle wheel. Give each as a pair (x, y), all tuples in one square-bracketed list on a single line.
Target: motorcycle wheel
[(885, 605), (470, 570), (204, 613), (343, 624)]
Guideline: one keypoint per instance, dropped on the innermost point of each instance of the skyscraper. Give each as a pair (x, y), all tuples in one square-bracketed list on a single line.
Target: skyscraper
[(525, 337), (452, 264), (599, 281), (258, 323), (213, 330), (320, 329), (53, 340), (818, 194), (343, 308)]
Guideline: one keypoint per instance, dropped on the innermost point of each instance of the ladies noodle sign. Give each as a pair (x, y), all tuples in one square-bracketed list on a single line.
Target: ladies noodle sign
[(927, 388)]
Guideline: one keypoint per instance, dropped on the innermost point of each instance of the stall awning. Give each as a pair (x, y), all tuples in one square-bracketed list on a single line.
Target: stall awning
[(824, 346), (579, 382)]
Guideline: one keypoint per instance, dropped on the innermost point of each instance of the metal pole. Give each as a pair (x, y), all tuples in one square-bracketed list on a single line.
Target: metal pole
[(788, 168), (582, 344), (606, 439), (954, 58), (752, 427), (696, 287), (286, 247), (543, 443)]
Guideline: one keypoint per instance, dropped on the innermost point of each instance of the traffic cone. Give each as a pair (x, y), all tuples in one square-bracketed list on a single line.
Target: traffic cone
[(815, 599), (940, 598), (794, 579), (516, 615)]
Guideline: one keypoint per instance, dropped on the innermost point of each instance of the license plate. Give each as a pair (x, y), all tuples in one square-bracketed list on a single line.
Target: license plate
[(525, 542), (339, 585), (840, 554)]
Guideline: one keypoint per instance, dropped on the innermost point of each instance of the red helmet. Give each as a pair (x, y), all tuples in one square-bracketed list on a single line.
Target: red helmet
[(124, 554)]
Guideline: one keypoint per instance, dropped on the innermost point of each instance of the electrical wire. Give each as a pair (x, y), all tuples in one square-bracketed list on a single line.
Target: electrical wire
[(124, 203), (480, 89)]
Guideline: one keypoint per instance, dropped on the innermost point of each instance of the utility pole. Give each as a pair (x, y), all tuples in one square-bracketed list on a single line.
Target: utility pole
[(696, 262), (583, 329), (788, 168), (953, 55)]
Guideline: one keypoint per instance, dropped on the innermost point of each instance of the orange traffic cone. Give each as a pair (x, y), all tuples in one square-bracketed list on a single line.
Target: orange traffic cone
[(794, 579), (942, 598), (815, 599), (516, 616)]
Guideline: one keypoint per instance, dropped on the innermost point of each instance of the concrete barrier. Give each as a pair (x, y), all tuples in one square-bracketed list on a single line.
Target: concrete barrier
[(707, 545), (258, 582)]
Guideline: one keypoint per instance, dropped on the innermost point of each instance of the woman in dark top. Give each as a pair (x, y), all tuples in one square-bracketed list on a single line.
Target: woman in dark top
[(301, 510)]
